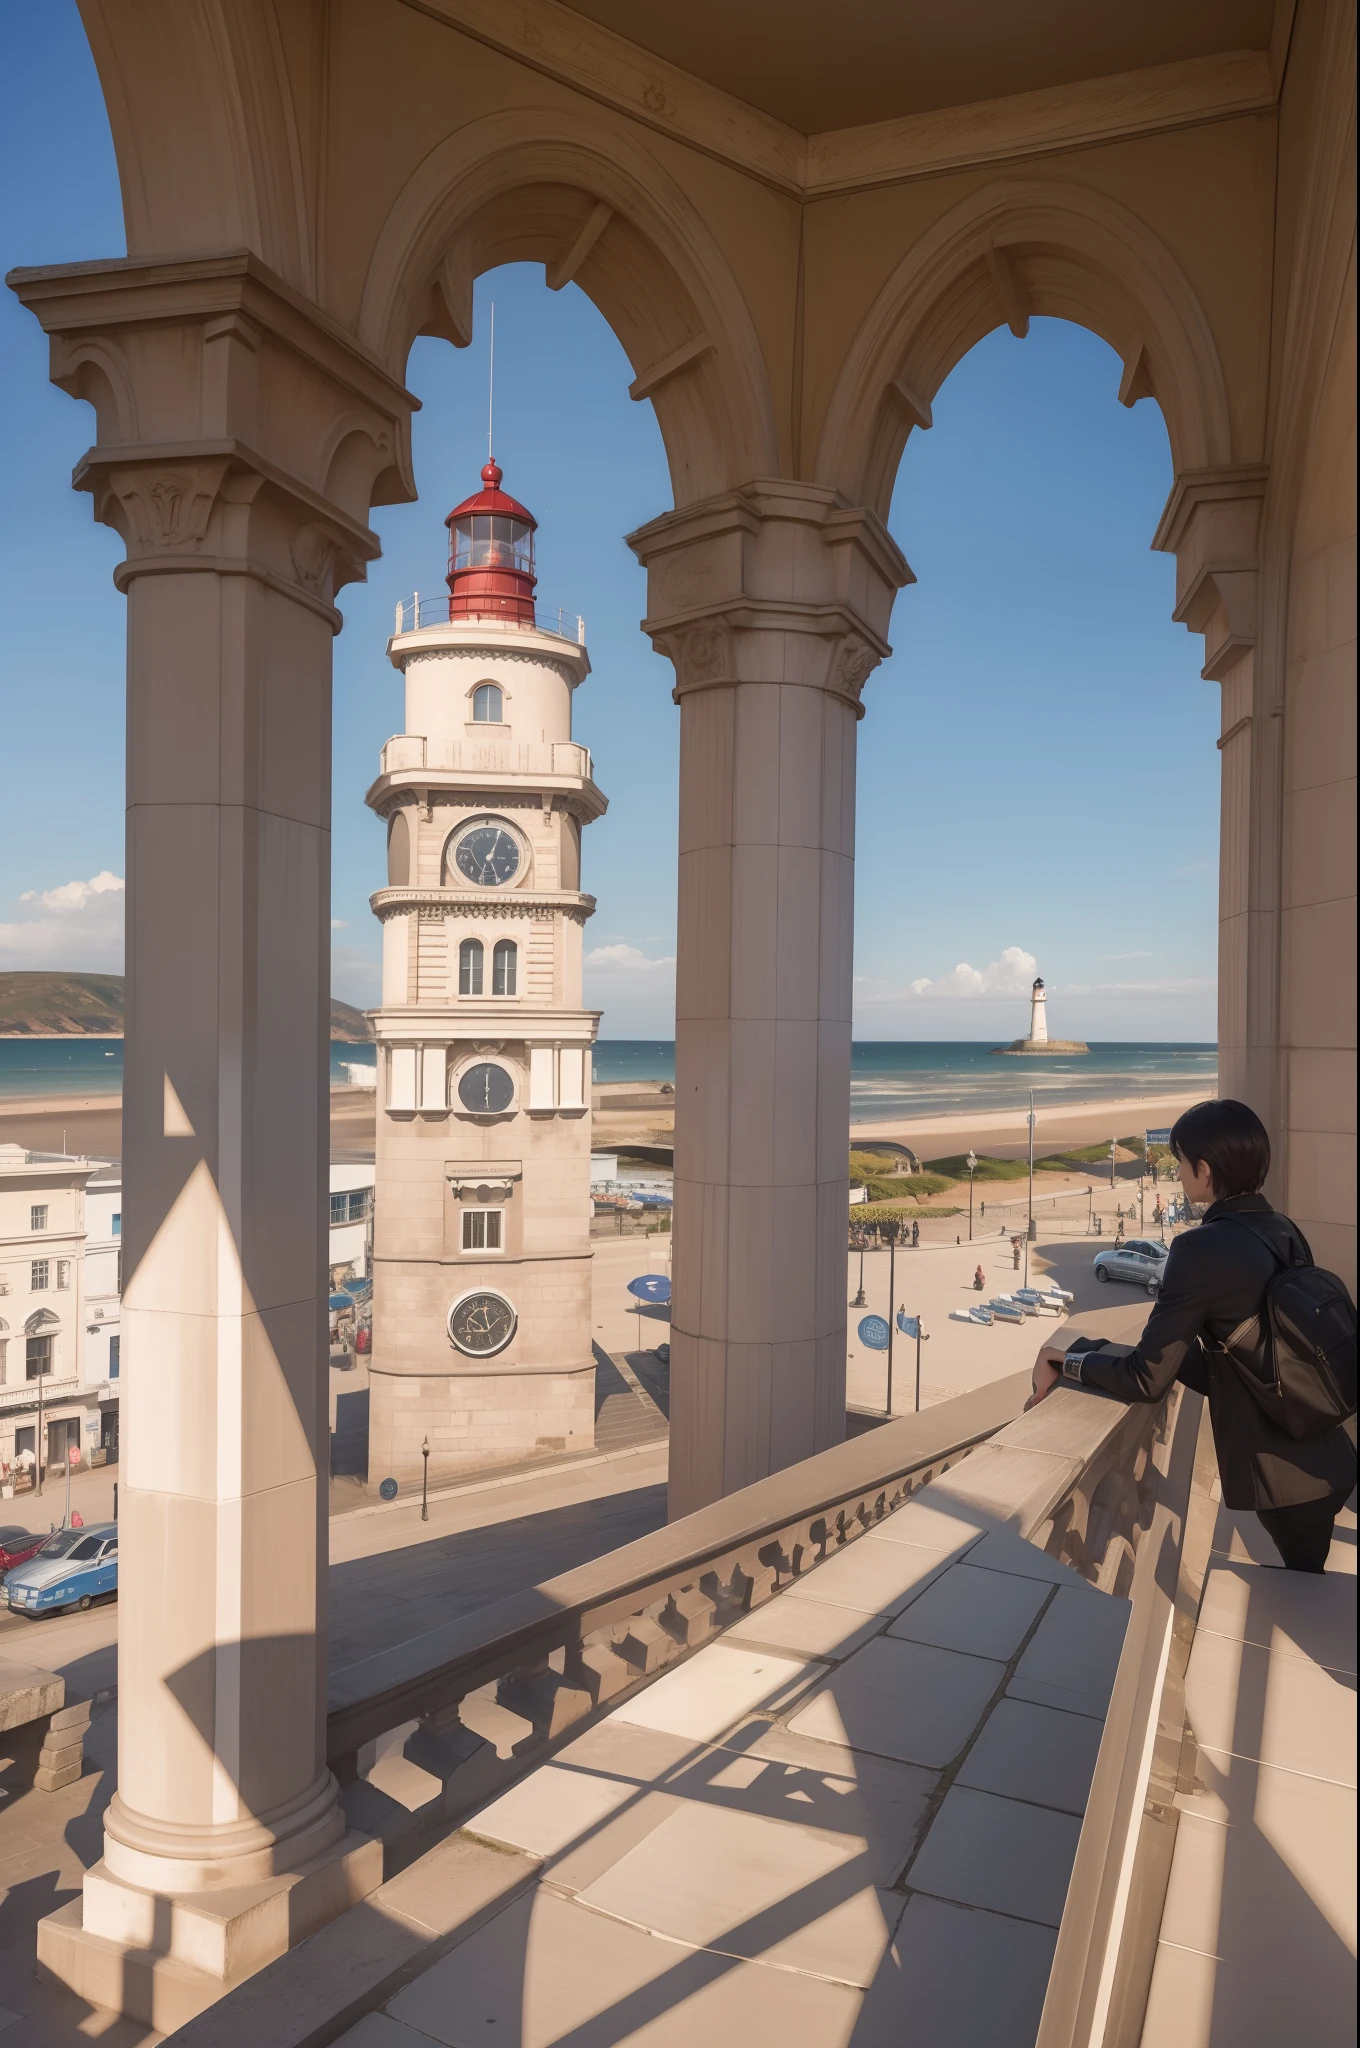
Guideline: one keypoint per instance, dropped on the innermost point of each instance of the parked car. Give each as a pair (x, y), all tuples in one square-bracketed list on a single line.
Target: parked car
[(71, 1568), (17, 1545), (1139, 1263)]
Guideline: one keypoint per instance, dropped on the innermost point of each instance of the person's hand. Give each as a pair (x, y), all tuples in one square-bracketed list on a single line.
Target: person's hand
[(1047, 1373)]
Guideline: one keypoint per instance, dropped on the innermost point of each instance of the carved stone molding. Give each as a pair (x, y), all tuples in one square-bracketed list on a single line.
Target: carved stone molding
[(1211, 524), (700, 652), (434, 904)]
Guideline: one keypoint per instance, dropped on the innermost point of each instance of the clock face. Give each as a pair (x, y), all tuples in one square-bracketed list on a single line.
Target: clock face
[(488, 856), (482, 1323), (487, 1088)]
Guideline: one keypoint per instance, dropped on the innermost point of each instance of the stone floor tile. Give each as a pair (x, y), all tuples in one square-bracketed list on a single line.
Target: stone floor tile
[(957, 1978), (715, 1689), (1002, 1551), (548, 1970), (8, 2018), (1239, 1537), (1287, 1888), (872, 1577), (1034, 1753), (930, 1527), (904, 1700), (615, 1748), (1277, 1710), (877, 1803), (746, 1886), (1197, 2002), (1291, 1613), (806, 1627), (1074, 1655), (596, 1850), (551, 1809), (998, 1853), (986, 1614)]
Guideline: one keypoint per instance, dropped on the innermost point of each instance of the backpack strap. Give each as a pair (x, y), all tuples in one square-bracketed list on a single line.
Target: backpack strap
[(1252, 1323)]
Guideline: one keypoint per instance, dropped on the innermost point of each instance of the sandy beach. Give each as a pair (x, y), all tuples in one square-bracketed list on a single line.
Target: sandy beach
[(92, 1125)]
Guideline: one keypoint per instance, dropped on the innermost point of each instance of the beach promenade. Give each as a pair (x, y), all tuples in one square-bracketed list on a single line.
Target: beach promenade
[(91, 1126)]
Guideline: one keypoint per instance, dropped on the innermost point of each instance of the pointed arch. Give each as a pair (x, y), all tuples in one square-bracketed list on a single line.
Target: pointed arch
[(1014, 249), (585, 200)]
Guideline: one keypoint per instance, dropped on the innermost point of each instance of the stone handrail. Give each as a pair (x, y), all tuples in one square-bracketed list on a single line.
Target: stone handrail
[(494, 1686), (409, 752)]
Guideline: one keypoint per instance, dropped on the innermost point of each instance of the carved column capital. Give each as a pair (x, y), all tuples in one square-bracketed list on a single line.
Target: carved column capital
[(771, 583), (240, 429), (1212, 526)]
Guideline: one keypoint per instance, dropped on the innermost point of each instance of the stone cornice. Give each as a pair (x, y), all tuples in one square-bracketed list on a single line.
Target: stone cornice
[(606, 67), (580, 798), (527, 903)]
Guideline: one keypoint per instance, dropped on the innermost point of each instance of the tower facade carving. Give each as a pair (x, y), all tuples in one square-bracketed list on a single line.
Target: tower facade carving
[(481, 1288)]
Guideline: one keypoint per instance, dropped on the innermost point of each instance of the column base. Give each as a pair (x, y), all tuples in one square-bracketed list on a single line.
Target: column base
[(162, 1960)]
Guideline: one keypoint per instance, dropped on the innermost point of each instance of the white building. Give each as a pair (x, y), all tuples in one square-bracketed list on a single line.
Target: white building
[(351, 1219), (481, 1309), (59, 1285)]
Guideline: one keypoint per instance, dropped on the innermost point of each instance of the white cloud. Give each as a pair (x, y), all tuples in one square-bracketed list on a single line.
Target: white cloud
[(78, 926), (635, 991), (356, 977), (1011, 975)]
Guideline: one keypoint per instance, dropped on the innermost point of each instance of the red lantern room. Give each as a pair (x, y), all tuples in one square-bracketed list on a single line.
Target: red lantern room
[(491, 555)]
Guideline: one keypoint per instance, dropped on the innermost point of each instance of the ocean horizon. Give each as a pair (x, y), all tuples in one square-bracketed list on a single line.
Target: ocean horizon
[(889, 1078)]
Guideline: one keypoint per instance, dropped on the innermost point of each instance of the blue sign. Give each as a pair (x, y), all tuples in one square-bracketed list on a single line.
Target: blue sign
[(651, 1287), (388, 1489), (1157, 1137), (910, 1326), (874, 1333)]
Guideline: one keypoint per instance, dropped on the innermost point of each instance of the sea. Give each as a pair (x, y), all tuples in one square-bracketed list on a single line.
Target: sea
[(894, 1078)]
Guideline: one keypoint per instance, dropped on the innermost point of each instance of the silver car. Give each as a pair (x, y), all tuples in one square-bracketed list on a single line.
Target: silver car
[(1139, 1263)]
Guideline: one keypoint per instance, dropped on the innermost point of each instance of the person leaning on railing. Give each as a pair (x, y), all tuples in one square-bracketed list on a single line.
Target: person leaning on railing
[(1215, 1282)]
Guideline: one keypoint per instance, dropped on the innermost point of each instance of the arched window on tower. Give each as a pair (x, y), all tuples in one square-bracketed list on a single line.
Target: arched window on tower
[(505, 968), (488, 705), (470, 968)]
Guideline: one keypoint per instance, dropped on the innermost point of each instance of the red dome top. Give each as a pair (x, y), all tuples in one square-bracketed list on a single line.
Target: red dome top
[(491, 555), (492, 499)]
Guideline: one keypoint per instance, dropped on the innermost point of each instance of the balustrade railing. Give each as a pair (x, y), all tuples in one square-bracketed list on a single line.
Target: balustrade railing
[(408, 751), (477, 1701), (415, 613)]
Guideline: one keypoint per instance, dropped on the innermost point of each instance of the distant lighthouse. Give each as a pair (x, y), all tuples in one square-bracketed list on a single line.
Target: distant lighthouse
[(1038, 1040)]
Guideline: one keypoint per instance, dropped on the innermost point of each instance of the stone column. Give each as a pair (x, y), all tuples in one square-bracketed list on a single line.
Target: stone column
[(226, 1840), (1212, 525), (772, 602)]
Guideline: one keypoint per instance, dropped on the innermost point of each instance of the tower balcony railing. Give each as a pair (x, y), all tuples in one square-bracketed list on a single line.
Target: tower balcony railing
[(407, 752), (414, 614)]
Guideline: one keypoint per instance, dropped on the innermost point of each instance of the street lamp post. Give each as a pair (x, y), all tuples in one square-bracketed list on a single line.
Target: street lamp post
[(425, 1481), (858, 1301), (921, 1338), (972, 1169), (892, 1289), (1030, 1232)]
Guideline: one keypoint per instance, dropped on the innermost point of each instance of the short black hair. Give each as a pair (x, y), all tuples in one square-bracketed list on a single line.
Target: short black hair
[(1230, 1140)]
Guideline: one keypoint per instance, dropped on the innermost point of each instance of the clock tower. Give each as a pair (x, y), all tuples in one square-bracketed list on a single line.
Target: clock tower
[(482, 1273)]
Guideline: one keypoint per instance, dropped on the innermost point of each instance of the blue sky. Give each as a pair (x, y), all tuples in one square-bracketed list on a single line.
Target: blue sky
[(1038, 778)]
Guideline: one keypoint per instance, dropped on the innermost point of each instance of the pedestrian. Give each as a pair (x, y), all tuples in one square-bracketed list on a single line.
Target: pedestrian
[(1015, 1253), (1119, 1234), (1208, 1329), (979, 1279), (915, 1233)]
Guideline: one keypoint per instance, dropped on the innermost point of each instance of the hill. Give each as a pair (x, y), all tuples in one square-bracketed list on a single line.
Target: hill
[(49, 1004)]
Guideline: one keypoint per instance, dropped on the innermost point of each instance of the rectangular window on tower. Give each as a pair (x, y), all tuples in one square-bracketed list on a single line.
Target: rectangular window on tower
[(37, 1216), (482, 1230)]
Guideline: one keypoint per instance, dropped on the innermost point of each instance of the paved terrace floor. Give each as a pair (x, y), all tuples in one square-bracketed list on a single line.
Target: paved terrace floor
[(851, 1819), (1258, 1934)]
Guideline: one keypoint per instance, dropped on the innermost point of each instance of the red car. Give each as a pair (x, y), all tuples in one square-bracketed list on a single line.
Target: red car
[(17, 1546)]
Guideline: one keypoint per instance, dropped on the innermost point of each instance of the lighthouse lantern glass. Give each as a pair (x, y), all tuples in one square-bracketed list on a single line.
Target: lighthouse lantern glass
[(487, 540)]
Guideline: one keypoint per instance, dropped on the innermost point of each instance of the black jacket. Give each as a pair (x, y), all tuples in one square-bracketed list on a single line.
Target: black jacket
[(1215, 1278)]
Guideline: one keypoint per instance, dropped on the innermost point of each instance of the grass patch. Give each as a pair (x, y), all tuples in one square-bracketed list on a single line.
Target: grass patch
[(956, 1166), (871, 1165), (866, 1213)]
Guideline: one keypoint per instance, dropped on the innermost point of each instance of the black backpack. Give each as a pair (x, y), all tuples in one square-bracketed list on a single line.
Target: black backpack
[(1302, 1372)]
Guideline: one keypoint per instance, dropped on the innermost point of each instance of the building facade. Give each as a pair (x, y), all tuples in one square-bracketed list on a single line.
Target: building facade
[(59, 1315), (481, 1309)]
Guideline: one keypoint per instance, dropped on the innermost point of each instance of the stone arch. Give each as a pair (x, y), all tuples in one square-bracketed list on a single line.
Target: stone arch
[(41, 1319), (1014, 249), (525, 186)]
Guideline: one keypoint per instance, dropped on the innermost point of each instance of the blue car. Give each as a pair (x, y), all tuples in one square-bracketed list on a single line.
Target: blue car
[(73, 1568)]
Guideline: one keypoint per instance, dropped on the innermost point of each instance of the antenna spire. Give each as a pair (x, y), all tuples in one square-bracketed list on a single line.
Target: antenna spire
[(491, 387)]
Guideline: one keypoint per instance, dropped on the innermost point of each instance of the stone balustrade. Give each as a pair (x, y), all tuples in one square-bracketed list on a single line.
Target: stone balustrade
[(407, 752), (477, 1702)]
